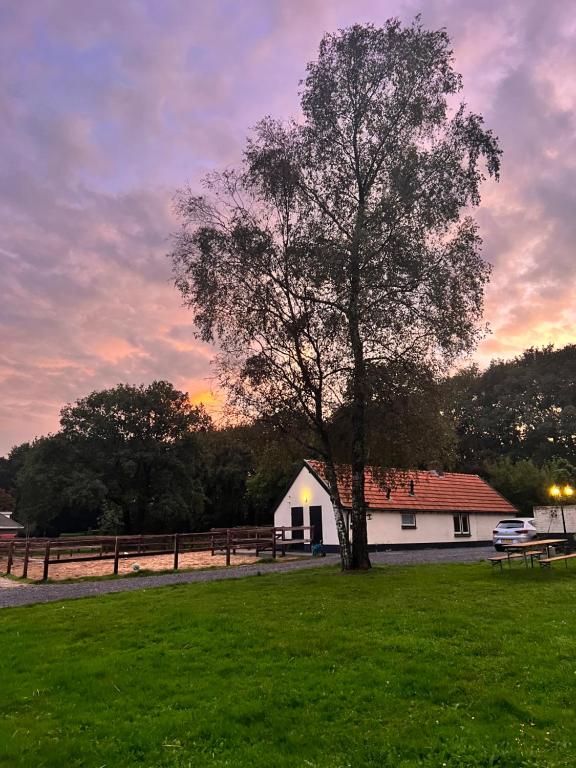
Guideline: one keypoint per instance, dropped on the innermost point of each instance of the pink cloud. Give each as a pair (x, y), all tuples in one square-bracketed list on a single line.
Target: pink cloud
[(108, 107)]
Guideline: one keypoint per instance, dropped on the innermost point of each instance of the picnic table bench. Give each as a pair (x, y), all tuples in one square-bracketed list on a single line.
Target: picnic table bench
[(499, 559), (527, 553), (546, 561)]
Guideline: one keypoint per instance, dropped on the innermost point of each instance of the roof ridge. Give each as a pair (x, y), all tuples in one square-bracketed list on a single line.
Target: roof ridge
[(400, 469)]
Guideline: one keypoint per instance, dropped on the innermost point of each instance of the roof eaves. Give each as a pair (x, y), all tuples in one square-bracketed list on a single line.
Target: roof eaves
[(498, 493), (443, 510)]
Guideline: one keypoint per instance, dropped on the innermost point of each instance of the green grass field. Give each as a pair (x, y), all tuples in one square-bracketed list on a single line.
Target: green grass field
[(453, 665)]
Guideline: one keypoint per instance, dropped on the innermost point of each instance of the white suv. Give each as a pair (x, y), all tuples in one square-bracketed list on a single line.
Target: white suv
[(514, 531)]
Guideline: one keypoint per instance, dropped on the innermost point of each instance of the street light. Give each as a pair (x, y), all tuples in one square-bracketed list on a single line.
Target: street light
[(559, 494)]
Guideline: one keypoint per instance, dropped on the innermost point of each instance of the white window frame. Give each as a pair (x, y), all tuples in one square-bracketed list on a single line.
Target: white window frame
[(408, 525), (459, 529)]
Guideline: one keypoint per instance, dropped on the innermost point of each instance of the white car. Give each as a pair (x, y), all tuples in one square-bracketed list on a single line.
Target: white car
[(516, 530)]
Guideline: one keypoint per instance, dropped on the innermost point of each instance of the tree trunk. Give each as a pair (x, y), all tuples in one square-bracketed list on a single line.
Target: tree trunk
[(360, 556), (341, 527)]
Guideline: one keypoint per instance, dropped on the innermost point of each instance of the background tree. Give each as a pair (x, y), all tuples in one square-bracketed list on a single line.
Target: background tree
[(228, 463), (56, 490), (6, 501), (340, 248), (523, 408), (142, 443), (526, 484), (11, 465), (247, 469)]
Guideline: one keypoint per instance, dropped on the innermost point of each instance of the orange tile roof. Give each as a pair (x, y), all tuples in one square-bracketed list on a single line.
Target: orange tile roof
[(433, 492)]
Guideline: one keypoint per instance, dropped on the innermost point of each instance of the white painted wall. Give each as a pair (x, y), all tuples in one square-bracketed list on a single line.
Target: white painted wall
[(307, 492), (384, 527), (549, 519), (431, 527)]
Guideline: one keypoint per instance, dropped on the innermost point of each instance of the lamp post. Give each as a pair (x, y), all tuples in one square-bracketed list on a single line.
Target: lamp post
[(560, 494)]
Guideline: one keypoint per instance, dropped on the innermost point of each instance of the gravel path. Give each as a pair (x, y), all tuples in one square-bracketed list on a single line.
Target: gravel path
[(28, 594)]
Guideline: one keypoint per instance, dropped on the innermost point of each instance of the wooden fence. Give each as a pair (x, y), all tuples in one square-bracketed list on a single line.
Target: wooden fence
[(86, 549)]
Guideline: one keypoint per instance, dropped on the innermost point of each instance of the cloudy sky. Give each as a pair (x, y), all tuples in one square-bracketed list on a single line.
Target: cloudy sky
[(108, 106)]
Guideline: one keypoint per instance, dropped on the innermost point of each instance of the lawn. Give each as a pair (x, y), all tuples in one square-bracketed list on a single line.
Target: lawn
[(450, 665)]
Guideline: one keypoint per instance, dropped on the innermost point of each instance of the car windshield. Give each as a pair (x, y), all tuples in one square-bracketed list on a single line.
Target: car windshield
[(511, 524)]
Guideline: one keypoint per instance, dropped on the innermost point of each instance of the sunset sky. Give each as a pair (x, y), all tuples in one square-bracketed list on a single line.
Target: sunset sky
[(108, 106)]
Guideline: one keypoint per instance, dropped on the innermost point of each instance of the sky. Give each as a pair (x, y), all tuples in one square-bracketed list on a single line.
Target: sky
[(108, 107)]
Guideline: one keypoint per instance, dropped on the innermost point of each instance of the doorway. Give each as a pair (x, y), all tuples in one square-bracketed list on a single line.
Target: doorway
[(316, 521), (297, 521)]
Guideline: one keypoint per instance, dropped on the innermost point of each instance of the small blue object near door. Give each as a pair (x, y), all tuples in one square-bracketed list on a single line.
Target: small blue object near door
[(318, 550)]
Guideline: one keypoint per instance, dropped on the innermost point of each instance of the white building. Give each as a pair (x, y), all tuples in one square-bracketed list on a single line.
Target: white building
[(9, 527), (406, 508)]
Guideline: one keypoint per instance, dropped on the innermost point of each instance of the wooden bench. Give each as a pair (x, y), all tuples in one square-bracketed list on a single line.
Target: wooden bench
[(499, 559), (546, 561)]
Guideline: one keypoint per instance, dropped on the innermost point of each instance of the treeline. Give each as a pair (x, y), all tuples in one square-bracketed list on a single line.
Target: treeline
[(143, 459), (516, 423)]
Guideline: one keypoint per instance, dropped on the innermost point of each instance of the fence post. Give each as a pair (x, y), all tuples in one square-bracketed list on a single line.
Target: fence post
[(176, 550), (26, 558), (227, 546), (10, 557), (283, 539), (274, 543), (46, 561), (116, 554)]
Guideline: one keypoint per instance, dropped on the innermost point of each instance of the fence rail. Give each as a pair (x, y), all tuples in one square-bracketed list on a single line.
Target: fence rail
[(84, 549)]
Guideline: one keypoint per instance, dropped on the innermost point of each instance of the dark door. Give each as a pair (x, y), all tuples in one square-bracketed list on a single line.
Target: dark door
[(316, 521), (297, 521)]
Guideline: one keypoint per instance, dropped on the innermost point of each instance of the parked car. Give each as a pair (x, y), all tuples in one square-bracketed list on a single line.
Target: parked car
[(514, 531)]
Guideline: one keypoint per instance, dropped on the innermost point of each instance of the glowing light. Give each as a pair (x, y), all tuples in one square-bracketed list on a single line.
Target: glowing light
[(565, 492), (305, 495)]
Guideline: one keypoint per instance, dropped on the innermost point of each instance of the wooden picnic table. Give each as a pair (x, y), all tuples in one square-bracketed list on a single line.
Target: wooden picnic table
[(528, 545)]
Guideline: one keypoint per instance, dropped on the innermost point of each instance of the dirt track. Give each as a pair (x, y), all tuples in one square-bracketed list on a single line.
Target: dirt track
[(64, 570)]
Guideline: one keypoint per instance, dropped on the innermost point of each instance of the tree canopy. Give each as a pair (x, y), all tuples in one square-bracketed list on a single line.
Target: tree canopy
[(524, 408), (143, 459), (340, 248)]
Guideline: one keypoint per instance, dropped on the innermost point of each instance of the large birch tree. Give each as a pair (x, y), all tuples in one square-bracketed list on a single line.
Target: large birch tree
[(344, 244)]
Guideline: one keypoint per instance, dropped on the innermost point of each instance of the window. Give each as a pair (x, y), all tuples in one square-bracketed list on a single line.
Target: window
[(461, 525), (408, 520), (411, 490)]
